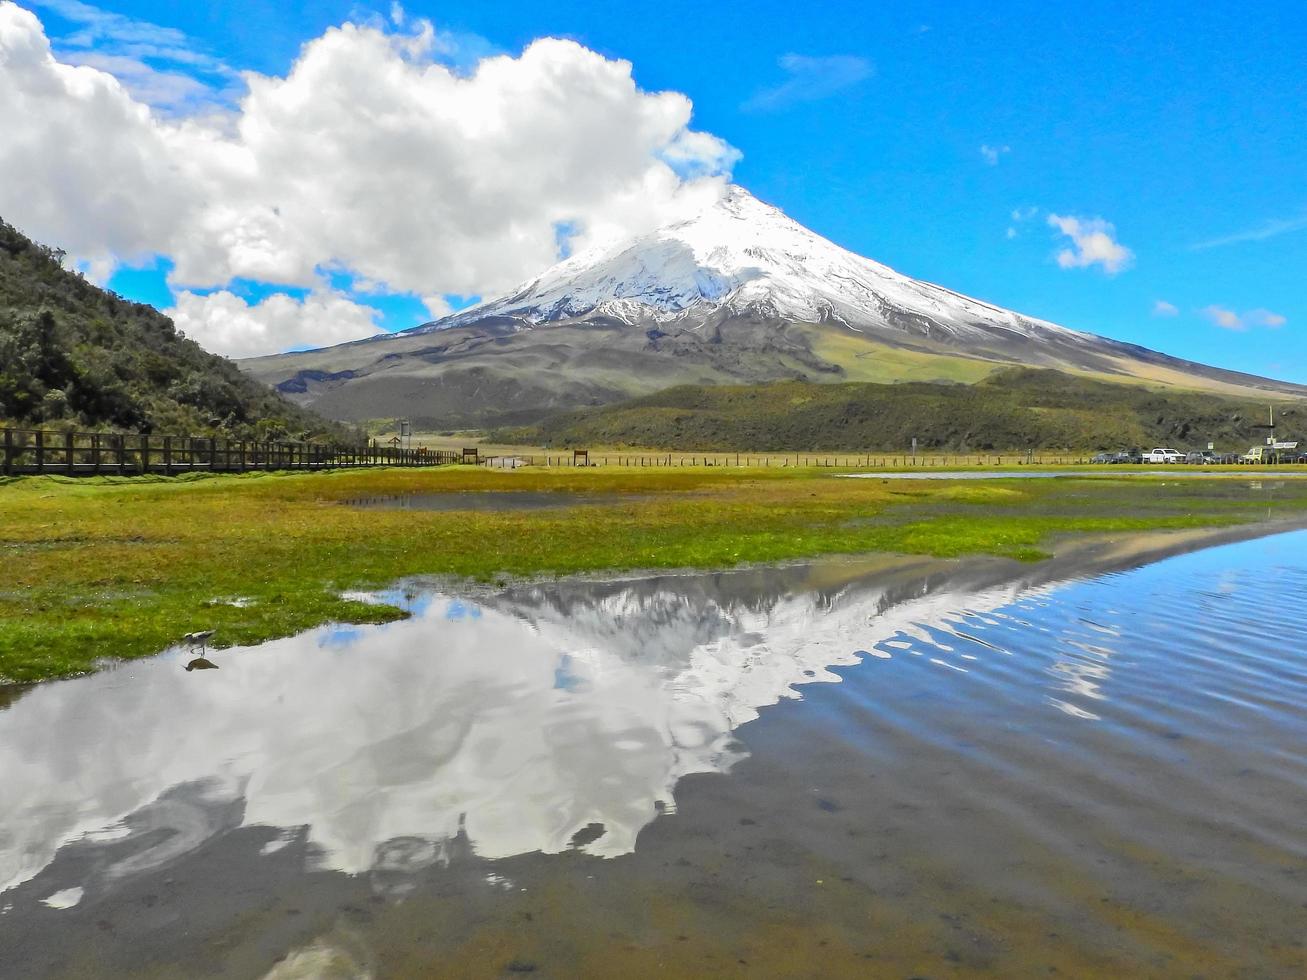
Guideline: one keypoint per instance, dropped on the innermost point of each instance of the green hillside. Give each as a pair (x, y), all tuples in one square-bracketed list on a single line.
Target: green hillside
[(74, 354), (1017, 408)]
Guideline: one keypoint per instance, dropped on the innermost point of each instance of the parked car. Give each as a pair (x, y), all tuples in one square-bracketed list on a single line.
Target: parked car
[(1202, 457), (1129, 456), (1103, 458), (1163, 456)]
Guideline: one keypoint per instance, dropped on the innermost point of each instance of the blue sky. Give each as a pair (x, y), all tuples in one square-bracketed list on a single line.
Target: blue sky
[(937, 138)]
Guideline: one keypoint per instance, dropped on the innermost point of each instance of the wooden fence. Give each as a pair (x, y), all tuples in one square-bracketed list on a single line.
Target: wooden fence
[(30, 451)]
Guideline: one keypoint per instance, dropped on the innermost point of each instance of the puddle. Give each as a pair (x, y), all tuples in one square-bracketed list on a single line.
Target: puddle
[(892, 765)]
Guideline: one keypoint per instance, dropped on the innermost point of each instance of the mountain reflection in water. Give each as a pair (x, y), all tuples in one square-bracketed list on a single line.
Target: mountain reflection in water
[(538, 718)]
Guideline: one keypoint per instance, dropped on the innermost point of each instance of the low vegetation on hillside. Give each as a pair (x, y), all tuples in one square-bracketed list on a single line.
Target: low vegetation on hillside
[(1012, 409), (72, 354)]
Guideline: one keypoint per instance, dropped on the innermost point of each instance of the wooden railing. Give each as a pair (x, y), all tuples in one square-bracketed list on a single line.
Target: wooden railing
[(32, 451)]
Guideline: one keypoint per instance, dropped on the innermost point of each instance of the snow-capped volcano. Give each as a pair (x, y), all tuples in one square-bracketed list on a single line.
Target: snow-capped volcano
[(738, 294), (741, 254)]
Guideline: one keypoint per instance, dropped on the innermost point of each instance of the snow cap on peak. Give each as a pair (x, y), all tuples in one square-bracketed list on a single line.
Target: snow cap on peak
[(742, 253)]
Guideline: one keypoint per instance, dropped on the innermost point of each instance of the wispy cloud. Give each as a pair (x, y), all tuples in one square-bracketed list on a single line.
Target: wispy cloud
[(97, 25), (1019, 216), (1228, 319), (992, 153), (1093, 242), (810, 79), (1163, 308), (1268, 229), (166, 89), (160, 66)]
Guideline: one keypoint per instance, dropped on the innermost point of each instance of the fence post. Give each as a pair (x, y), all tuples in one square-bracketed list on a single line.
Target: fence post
[(9, 453), (40, 451), (95, 452), (167, 455), (68, 452)]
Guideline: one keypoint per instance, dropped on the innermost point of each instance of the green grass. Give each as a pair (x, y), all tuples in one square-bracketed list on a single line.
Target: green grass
[(866, 360), (114, 567)]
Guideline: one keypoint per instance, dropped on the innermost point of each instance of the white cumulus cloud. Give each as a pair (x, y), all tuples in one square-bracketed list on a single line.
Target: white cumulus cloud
[(1163, 308), (991, 154), (225, 323), (370, 156), (1093, 242), (1228, 319)]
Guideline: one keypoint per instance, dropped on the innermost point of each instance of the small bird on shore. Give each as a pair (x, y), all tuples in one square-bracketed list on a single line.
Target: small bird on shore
[(199, 638)]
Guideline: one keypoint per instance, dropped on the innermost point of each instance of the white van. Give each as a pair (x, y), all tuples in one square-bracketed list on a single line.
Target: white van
[(1163, 456)]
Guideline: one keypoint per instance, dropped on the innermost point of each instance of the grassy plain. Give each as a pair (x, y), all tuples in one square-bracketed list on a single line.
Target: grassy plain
[(123, 567)]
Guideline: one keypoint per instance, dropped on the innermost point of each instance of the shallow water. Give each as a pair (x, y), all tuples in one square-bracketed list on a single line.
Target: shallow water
[(502, 500), (894, 766)]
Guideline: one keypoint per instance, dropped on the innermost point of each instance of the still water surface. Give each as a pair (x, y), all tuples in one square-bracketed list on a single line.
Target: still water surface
[(894, 766)]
